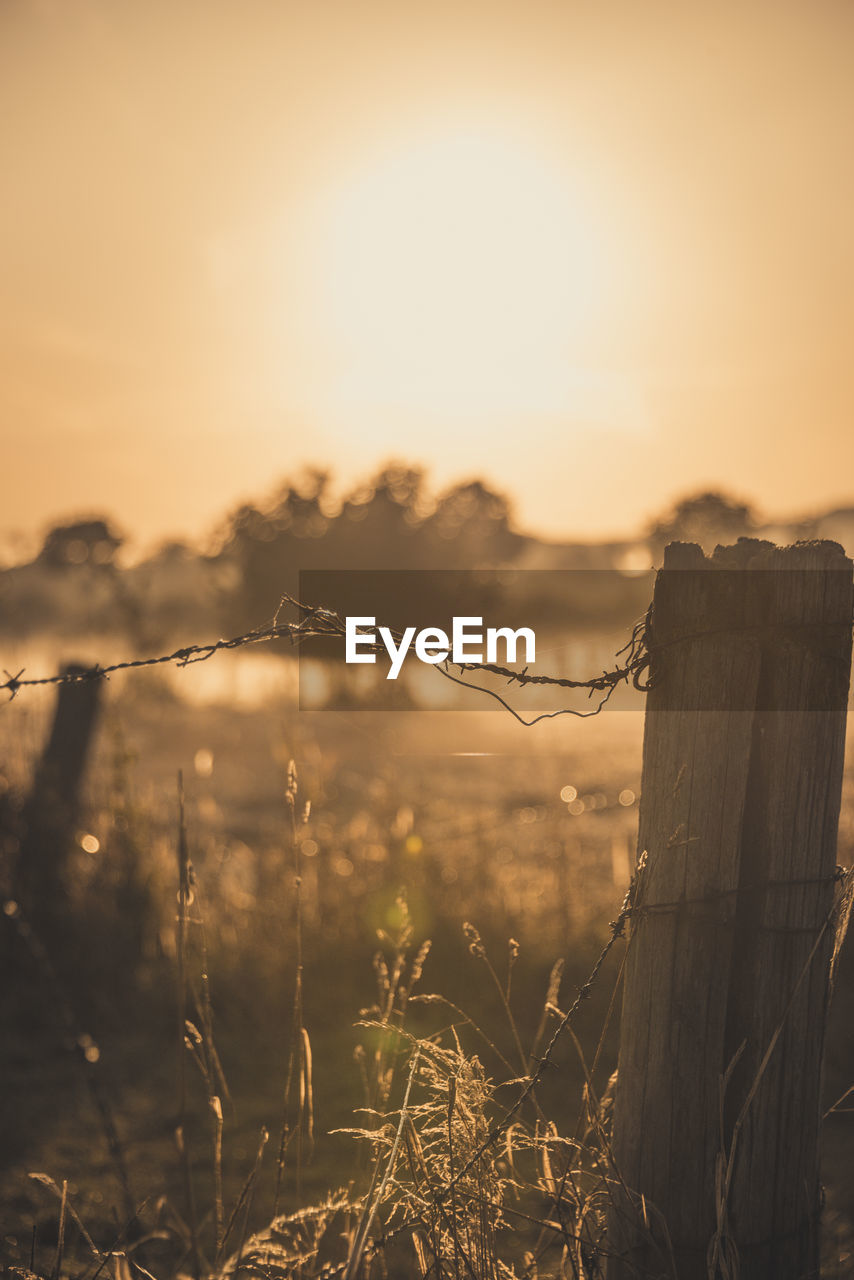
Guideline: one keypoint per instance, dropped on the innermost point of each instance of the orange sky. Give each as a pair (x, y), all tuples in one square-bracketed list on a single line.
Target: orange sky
[(600, 254)]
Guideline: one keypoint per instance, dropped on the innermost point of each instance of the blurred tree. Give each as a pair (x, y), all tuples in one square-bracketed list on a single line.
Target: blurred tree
[(302, 506), (475, 521), (268, 546), (381, 521), (91, 542), (389, 522), (706, 518)]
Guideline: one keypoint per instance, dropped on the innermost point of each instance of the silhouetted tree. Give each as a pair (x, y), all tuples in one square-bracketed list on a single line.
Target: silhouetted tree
[(381, 521), (389, 522), (706, 518), (475, 521), (91, 542)]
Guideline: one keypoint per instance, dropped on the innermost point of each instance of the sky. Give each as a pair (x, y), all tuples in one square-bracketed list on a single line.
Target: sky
[(600, 255)]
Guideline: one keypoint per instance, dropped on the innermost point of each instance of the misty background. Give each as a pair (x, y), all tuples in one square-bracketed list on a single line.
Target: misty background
[(83, 581)]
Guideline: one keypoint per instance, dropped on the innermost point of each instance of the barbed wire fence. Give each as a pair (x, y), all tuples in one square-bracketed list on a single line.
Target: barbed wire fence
[(318, 622), (313, 622)]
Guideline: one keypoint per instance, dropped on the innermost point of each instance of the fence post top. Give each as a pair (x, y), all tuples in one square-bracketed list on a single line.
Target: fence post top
[(757, 553)]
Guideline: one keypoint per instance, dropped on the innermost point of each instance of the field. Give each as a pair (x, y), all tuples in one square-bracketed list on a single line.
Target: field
[(419, 824)]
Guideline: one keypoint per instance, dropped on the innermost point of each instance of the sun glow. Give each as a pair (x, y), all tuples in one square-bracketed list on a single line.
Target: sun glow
[(458, 274)]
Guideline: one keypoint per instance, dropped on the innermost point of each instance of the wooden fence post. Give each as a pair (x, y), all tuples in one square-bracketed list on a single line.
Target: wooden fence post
[(715, 1142), (51, 810)]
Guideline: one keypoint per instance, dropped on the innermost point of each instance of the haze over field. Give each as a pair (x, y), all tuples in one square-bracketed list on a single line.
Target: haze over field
[(597, 256)]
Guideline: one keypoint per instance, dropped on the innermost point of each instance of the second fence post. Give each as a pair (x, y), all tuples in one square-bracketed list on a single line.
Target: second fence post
[(717, 1105)]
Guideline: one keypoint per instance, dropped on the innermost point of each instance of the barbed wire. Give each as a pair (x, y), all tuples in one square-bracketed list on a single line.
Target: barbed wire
[(317, 622)]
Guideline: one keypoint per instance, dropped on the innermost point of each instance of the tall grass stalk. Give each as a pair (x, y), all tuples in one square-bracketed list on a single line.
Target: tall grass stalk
[(298, 1108), (185, 876)]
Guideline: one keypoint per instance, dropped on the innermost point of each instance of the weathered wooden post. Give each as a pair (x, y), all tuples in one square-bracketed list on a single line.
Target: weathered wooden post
[(715, 1140), (51, 810)]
